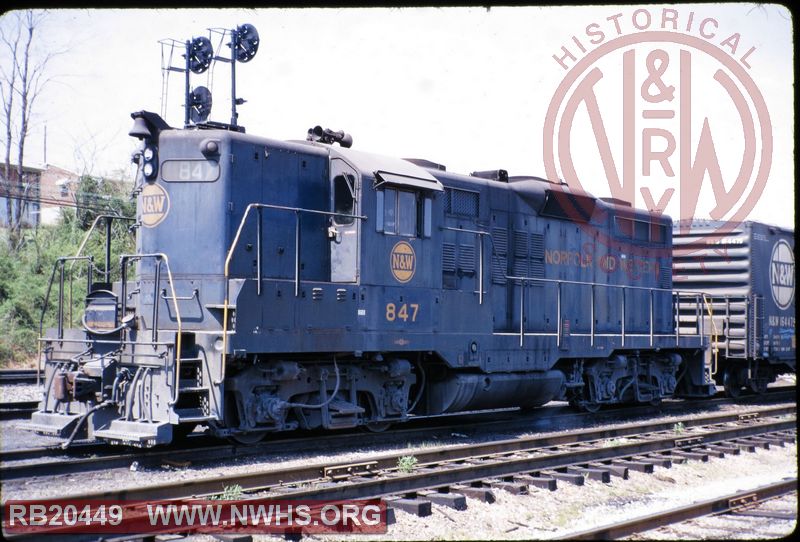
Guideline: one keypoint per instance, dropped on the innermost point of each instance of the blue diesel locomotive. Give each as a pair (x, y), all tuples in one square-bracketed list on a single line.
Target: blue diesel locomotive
[(279, 285)]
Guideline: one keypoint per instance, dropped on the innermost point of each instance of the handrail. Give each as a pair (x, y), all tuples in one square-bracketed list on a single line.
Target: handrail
[(108, 218), (77, 256), (59, 262), (714, 334), (124, 260), (195, 293), (107, 272), (624, 287), (234, 244)]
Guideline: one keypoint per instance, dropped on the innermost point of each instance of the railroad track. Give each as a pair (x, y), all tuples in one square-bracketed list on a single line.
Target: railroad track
[(741, 503), (17, 410), (53, 460), (449, 474), (17, 376)]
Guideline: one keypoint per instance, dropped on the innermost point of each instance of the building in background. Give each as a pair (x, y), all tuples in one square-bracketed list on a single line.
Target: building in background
[(46, 190), (58, 188), (28, 192)]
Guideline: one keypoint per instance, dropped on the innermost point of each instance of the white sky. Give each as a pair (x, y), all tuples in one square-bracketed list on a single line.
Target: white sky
[(465, 87)]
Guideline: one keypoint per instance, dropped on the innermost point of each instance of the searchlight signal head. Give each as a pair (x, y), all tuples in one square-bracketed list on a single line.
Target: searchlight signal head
[(200, 53), (200, 104), (245, 42)]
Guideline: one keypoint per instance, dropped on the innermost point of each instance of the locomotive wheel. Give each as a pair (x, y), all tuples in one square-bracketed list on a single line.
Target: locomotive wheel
[(248, 438), (732, 383), (758, 385), (377, 427), (590, 407)]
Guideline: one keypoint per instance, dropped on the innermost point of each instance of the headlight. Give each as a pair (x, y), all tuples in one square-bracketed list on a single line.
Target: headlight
[(150, 163)]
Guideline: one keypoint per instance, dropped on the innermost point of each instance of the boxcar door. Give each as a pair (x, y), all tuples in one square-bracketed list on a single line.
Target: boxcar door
[(344, 231)]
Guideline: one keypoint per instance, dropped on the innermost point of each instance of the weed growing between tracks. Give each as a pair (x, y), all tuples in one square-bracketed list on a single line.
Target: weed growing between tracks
[(230, 493), (406, 463)]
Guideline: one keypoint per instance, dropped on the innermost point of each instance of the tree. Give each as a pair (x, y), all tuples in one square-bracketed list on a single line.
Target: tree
[(22, 79), (96, 196), (25, 273)]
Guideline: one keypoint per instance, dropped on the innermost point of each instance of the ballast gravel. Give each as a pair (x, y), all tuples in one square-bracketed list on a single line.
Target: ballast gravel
[(12, 393), (541, 514), (544, 514), (39, 488)]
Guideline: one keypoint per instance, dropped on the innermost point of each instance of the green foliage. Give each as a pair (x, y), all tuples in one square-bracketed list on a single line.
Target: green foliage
[(230, 493), (406, 463), (25, 273), (93, 194)]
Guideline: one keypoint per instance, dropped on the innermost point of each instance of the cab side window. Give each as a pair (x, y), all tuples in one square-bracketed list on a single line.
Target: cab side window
[(344, 199), (403, 212), (407, 213)]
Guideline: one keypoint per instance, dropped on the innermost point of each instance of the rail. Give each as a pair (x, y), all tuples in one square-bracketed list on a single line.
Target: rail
[(259, 242), (447, 465), (729, 503)]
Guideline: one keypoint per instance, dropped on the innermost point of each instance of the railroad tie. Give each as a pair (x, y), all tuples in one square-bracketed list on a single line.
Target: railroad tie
[(698, 456), (778, 440), (726, 448), (745, 446), (511, 487), (791, 436), (415, 506), (483, 494), (601, 475), (664, 461), (571, 477), (543, 482), (614, 470), (758, 441), (712, 451), (639, 465), (450, 500)]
